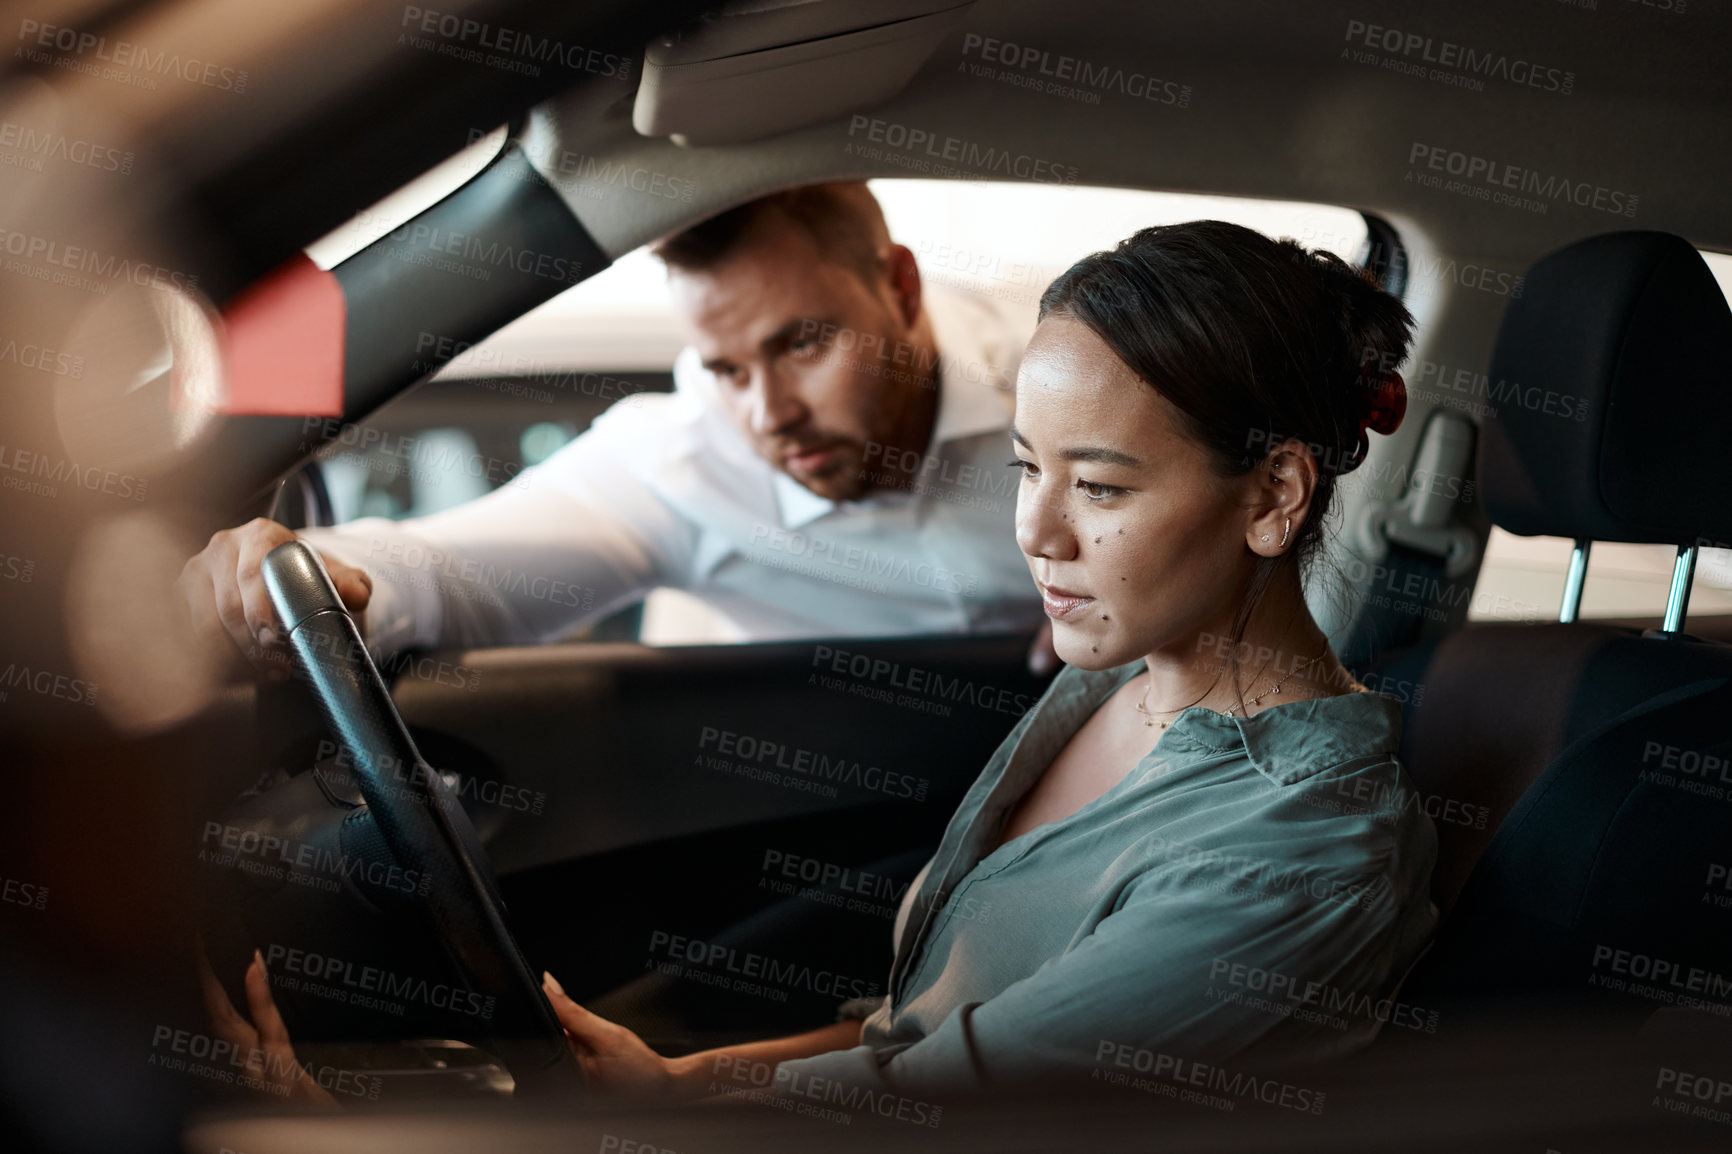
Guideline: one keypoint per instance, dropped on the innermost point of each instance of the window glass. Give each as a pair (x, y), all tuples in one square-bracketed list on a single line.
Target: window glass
[(513, 400)]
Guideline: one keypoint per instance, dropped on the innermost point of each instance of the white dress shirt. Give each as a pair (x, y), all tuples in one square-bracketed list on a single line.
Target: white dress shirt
[(663, 490)]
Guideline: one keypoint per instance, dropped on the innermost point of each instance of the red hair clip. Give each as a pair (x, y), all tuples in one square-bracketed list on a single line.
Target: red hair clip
[(1384, 406)]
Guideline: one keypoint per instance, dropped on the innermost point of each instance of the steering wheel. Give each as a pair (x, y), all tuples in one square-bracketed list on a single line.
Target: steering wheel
[(422, 822)]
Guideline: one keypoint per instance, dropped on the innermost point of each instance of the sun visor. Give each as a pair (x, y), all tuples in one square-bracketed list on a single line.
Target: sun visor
[(757, 68)]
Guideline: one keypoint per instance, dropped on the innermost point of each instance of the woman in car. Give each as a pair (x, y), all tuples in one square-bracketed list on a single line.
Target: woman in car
[(1198, 847)]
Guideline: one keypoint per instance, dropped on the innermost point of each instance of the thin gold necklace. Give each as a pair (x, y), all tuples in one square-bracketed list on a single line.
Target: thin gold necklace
[(1275, 690), (1143, 705)]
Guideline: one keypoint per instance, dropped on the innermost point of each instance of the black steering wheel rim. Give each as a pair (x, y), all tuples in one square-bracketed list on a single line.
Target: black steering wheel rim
[(420, 819)]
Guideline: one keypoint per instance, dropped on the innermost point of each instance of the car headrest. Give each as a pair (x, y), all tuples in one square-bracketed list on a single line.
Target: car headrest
[(1613, 392)]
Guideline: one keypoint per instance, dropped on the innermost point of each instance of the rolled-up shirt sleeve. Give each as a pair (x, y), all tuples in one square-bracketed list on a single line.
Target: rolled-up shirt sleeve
[(1152, 976), (560, 545)]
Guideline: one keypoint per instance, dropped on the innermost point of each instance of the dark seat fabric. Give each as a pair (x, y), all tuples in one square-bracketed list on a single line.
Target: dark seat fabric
[(1574, 844), (1605, 886), (1612, 396), (1490, 707)]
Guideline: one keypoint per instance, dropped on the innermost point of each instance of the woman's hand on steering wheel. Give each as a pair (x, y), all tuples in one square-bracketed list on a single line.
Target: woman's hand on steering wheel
[(613, 1059)]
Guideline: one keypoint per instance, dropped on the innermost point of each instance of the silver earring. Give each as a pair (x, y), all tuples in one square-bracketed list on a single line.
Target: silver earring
[(1265, 536), (1284, 533)]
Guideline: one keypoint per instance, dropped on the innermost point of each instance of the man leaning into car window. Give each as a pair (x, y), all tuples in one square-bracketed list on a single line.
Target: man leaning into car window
[(829, 463)]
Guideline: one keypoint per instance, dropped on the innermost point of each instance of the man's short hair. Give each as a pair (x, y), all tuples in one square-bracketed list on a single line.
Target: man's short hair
[(843, 219)]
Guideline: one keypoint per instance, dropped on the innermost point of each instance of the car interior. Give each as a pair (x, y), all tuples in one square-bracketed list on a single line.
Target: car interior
[(274, 289)]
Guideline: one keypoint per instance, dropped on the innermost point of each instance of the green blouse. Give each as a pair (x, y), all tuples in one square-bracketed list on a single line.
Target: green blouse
[(1254, 889)]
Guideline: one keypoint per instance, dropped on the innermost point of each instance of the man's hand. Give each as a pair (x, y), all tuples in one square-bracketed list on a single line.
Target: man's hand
[(225, 593)]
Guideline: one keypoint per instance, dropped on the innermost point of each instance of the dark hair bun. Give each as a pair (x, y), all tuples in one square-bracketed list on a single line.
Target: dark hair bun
[(1373, 329)]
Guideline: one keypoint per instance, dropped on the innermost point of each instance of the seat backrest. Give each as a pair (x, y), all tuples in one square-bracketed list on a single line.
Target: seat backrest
[(1552, 757), (1494, 705), (1606, 884)]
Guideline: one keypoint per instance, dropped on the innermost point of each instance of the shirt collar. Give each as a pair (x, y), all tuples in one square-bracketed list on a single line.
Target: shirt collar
[(976, 392), (798, 505), (1286, 743)]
